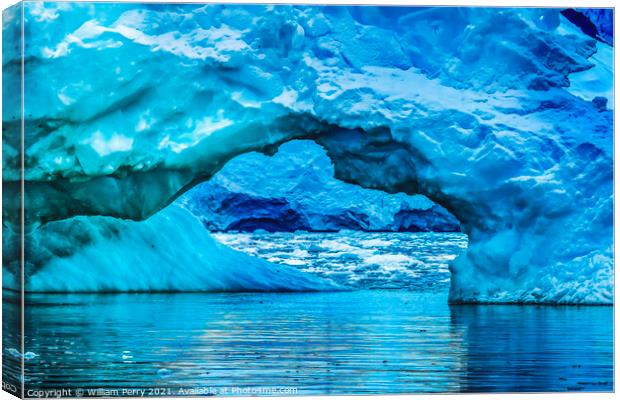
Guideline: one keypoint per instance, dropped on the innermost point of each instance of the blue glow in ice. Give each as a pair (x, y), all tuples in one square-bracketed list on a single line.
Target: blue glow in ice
[(502, 116)]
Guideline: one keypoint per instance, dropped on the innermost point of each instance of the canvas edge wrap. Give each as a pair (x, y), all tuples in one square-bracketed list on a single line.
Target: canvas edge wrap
[(13, 106)]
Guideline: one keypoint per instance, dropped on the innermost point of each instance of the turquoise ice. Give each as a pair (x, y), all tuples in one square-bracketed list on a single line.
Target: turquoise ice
[(502, 116)]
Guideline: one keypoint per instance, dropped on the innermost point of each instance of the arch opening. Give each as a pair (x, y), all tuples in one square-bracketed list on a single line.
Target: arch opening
[(288, 208), (355, 238), (507, 259)]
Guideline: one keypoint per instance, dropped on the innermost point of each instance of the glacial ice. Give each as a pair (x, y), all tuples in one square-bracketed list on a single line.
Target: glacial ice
[(596, 22), (295, 189), (112, 255), (482, 110)]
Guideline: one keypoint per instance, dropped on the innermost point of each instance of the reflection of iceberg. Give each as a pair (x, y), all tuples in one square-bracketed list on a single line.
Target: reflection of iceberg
[(361, 342), (524, 344), (473, 109), (170, 251)]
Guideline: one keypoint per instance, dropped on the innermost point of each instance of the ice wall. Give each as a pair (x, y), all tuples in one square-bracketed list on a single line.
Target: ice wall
[(127, 106), (594, 22)]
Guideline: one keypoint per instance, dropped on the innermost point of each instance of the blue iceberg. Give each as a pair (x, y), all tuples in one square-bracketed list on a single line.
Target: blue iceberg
[(501, 116), (170, 251)]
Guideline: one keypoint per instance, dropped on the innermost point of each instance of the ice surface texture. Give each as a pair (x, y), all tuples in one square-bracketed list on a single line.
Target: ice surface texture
[(295, 189), (171, 251), (127, 106), (597, 23)]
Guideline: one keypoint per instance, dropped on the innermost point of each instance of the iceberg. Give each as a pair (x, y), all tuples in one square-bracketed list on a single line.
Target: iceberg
[(128, 106), (170, 251)]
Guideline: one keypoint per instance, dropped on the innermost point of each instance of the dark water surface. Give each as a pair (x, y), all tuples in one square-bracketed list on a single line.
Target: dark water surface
[(365, 342)]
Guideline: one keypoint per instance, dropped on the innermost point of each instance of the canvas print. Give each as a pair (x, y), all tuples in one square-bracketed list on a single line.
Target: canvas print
[(289, 200)]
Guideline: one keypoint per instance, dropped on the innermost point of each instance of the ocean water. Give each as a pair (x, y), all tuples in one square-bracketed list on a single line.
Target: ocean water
[(357, 259), (381, 337)]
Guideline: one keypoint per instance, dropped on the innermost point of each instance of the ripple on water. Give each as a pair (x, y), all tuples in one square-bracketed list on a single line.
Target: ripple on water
[(367, 260), (354, 342)]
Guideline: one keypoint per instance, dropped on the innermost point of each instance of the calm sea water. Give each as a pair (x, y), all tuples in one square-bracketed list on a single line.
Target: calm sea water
[(365, 341)]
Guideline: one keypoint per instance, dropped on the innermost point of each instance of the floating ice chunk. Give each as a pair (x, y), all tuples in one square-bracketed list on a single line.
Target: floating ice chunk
[(389, 259), (376, 243), (14, 352), (29, 355), (313, 248)]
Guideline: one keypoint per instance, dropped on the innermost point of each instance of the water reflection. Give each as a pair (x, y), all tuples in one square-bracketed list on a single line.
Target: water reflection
[(536, 348), (360, 342)]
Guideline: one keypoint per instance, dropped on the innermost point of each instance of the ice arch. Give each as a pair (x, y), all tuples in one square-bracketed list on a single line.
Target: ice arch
[(127, 106)]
